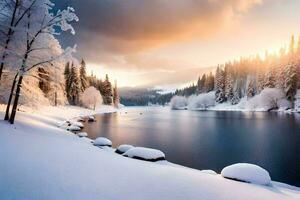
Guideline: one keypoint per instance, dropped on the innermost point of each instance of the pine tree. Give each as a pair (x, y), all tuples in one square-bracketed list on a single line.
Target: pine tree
[(260, 80), (290, 83), (107, 91), (74, 86), (250, 89), (270, 78), (116, 98), (228, 83), (67, 80), (82, 76), (220, 85), (292, 47)]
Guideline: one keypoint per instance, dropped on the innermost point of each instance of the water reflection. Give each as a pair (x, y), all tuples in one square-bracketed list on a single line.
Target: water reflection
[(210, 140)]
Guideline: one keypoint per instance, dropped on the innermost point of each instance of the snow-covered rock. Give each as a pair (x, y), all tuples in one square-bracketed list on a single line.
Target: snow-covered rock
[(247, 173), (91, 118), (147, 154), (76, 123), (102, 141), (178, 103), (82, 134), (209, 171), (123, 148), (73, 128)]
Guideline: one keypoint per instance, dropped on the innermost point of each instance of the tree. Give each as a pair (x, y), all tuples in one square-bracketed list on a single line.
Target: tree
[(270, 78), (82, 76), (91, 98), (220, 85), (116, 98), (67, 79), (290, 84), (41, 26), (228, 83), (14, 11), (74, 87), (107, 91), (250, 89)]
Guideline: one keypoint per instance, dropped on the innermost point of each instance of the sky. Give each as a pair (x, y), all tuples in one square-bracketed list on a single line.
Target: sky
[(169, 43)]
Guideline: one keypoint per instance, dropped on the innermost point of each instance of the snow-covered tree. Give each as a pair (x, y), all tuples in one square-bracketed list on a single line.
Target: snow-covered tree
[(270, 78), (74, 86), (228, 84), (220, 85), (290, 83), (40, 27), (91, 98), (107, 91), (82, 76), (250, 88)]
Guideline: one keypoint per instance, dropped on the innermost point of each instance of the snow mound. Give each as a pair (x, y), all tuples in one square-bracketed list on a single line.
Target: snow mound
[(247, 173), (76, 123), (102, 141), (123, 148), (209, 171), (91, 118), (82, 134), (72, 128), (146, 154), (202, 101), (178, 103)]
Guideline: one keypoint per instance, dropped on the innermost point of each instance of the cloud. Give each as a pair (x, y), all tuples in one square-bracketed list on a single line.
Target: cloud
[(133, 25)]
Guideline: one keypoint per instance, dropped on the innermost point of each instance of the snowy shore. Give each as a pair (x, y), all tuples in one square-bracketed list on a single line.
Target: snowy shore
[(38, 160)]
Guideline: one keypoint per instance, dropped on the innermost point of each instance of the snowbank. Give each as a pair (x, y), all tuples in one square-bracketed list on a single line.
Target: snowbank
[(247, 173), (178, 103), (41, 161), (146, 154), (123, 148), (102, 141)]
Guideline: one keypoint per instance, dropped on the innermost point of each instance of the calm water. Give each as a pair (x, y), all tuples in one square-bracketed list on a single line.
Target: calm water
[(209, 140)]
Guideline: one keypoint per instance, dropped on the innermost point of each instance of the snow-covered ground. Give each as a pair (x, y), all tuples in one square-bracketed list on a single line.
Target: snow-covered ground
[(38, 160)]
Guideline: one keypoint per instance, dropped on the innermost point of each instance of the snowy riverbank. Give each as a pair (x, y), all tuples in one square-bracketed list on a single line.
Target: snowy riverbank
[(40, 161)]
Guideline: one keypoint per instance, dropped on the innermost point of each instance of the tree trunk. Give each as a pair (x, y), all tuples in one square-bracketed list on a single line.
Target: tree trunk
[(10, 97), (14, 109)]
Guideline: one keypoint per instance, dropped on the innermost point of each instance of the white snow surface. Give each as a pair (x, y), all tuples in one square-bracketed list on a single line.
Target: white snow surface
[(124, 147), (38, 160), (82, 134), (102, 141), (145, 153), (247, 172)]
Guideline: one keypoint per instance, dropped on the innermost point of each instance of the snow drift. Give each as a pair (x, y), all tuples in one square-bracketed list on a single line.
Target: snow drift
[(147, 154), (247, 173), (123, 148)]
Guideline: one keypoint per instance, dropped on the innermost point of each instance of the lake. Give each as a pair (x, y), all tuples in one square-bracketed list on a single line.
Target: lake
[(210, 139)]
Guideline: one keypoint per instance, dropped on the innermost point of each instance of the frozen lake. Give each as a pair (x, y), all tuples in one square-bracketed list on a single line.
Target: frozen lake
[(209, 140)]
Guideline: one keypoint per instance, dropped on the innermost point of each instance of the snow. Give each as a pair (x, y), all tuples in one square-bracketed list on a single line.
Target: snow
[(91, 98), (41, 161), (202, 101), (178, 103), (209, 171), (268, 99), (73, 128), (143, 153), (248, 173), (123, 148), (91, 118), (102, 141), (82, 134)]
